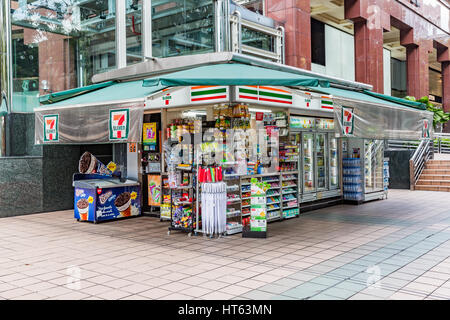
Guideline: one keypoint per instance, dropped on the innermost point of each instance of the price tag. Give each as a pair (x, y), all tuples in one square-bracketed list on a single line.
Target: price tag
[(90, 200), (133, 195)]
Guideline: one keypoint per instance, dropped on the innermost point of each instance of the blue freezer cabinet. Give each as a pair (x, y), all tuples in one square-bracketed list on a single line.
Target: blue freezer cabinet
[(100, 198)]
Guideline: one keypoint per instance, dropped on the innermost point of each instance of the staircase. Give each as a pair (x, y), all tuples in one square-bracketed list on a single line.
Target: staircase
[(435, 176)]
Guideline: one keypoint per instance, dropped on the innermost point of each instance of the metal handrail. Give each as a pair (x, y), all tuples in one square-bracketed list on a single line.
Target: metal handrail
[(418, 160)]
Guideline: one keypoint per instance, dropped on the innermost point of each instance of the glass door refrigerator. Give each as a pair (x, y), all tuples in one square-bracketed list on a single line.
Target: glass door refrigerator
[(333, 162), (308, 167), (368, 155), (327, 160), (321, 156)]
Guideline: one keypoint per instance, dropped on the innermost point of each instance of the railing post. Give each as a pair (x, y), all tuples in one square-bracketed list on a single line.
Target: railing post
[(411, 175)]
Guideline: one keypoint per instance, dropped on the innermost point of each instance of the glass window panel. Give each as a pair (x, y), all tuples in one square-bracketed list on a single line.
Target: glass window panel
[(258, 39), (62, 44), (182, 27), (253, 5), (134, 31), (317, 42)]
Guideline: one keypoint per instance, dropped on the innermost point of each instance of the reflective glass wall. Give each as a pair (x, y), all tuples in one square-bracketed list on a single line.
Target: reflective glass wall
[(182, 27), (58, 45)]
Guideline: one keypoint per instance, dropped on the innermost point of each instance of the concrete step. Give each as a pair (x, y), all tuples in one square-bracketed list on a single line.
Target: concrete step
[(432, 188), (423, 182), (436, 171), (439, 161), (437, 166), (435, 176)]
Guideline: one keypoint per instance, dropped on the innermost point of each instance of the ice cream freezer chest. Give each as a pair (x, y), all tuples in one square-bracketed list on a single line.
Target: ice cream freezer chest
[(106, 199)]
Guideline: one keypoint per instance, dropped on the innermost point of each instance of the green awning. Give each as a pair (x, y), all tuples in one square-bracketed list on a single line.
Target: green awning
[(408, 103), (66, 94), (368, 96), (234, 74), (115, 92)]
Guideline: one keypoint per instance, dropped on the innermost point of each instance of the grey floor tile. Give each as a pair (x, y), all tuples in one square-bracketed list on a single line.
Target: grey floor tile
[(339, 293)]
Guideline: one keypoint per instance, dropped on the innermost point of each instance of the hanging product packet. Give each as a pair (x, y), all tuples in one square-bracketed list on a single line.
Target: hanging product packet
[(219, 174)]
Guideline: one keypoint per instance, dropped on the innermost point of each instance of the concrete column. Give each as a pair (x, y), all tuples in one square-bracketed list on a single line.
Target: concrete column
[(417, 70), (370, 19), (369, 54), (296, 16)]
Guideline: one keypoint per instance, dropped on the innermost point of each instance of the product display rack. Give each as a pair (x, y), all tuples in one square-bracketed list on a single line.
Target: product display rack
[(282, 198), (234, 199), (179, 223), (273, 197), (290, 194)]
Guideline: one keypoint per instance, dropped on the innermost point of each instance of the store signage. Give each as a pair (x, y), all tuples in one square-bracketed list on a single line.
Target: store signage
[(167, 99), (51, 131), (325, 124), (426, 129), (308, 100), (302, 122), (119, 124), (348, 121), (208, 93), (149, 133), (326, 103), (265, 94)]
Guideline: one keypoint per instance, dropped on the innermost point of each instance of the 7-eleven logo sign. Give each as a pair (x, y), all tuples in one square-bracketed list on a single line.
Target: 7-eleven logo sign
[(119, 124), (426, 129), (348, 121), (51, 132)]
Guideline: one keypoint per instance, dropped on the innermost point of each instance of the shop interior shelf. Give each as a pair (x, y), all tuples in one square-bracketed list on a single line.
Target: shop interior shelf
[(182, 187), (289, 192), (292, 207), (268, 181), (278, 217), (273, 195), (272, 209), (182, 203), (275, 202)]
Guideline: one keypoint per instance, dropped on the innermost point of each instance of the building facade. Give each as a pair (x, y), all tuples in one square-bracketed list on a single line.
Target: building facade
[(400, 47)]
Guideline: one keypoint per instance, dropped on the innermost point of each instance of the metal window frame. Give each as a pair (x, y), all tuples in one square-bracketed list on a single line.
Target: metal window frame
[(147, 38), (236, 23), (121, 34)]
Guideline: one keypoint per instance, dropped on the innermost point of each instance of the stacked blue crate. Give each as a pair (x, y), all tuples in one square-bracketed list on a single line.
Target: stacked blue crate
[(352, 180)]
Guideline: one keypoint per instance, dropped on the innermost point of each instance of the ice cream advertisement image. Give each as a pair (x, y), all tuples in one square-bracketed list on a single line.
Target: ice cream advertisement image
[(84, 204), (83, 208), (154, 190), (118, 203), (89, 164), (123, 203)]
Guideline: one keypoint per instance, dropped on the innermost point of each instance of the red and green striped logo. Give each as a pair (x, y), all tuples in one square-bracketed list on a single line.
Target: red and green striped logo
[(208, 93), (326, 102), (264, 93)]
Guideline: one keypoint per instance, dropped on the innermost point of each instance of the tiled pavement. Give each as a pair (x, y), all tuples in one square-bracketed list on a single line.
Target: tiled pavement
[(393, 249)]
